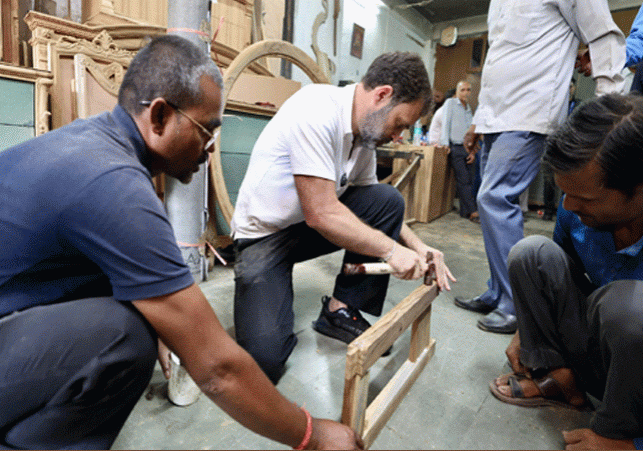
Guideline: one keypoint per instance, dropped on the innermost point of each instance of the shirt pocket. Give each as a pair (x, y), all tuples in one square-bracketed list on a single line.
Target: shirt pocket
[(519, 19)]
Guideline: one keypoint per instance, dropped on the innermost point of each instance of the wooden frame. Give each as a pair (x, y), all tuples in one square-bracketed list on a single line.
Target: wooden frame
[(357, 41), (363, 352)]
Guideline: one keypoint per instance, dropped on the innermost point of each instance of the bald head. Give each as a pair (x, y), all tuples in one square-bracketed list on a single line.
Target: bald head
[(463, 91)]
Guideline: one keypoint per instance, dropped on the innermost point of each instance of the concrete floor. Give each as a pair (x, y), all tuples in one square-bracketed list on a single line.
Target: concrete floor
[(449, 407)]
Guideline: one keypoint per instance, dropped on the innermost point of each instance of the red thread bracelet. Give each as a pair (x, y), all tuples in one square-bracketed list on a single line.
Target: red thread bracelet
[(309, 431)]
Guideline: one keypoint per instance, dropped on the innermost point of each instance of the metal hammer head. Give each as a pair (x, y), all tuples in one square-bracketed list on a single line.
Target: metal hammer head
[(430, 276)]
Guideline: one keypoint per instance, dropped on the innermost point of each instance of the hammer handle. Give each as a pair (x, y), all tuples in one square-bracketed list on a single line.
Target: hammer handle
[(351, 269)]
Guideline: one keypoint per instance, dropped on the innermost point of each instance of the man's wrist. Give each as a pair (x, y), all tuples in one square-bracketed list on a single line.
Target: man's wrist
[(305, 441), (388, 256)]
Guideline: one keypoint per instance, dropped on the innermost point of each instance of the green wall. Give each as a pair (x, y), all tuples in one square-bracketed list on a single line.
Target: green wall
[(16, 112), (239, 133)]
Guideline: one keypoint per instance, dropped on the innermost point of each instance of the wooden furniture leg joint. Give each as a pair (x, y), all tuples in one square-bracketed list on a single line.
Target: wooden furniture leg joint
[(363, 352)]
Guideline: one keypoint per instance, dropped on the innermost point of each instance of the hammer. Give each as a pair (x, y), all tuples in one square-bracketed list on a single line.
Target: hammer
[(351, 269)]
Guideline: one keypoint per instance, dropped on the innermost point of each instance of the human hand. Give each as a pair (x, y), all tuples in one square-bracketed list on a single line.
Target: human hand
[(471, 158), (442, 272), (470, 140), (329, 434), (584, 63), (164, 359), (588, 439), (513, 355), (407, 264)]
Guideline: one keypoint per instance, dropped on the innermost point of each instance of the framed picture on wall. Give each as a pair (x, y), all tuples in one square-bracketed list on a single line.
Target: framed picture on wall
[(357, 41)]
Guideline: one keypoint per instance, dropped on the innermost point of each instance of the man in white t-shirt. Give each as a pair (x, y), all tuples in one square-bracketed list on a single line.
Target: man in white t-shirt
[(311, 189)]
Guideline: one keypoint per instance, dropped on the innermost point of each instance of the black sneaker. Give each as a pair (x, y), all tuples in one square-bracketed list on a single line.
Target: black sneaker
[(344, 324)]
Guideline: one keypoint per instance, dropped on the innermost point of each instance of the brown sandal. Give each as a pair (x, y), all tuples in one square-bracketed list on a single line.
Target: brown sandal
[(552, 394)]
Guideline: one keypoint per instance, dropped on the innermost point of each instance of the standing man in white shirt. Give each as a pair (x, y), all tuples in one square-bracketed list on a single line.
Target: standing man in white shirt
[(533, 46), (455, 123)]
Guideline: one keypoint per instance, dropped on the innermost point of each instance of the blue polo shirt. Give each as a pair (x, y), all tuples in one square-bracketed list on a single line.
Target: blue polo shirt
[(594, 250), (79, 217)]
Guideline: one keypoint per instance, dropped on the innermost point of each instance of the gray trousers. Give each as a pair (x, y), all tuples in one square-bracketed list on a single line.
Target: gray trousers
[(71, 373), (564, 321), (263, 298)]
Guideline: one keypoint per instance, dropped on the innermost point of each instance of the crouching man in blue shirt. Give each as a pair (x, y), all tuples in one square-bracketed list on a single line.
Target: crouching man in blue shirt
[(90, 272), (579, 298)]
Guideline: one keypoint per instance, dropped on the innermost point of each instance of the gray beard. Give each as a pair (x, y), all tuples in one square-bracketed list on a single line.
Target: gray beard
[(372, 127)]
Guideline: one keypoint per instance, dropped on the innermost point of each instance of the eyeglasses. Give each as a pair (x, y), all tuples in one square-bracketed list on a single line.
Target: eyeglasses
[(212, 136)]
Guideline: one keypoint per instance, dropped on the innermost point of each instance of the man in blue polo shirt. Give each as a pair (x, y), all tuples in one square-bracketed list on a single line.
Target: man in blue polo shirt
[(90, 272), (579, 298)]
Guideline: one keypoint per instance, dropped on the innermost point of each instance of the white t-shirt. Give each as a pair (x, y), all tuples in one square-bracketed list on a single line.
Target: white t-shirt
[(311, 134)]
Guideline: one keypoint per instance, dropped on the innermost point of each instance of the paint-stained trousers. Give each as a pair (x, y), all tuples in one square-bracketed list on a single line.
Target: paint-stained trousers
[(71, 373), (565, 321), (263, 302)]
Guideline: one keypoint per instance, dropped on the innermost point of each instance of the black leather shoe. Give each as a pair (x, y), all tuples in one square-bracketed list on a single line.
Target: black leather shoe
[(499, 322), (344, 324), (475, 305)]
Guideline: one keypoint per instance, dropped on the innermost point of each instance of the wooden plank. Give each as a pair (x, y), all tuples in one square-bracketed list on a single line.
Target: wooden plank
[(364, 351), (10, 35), (398, 152), (408, 174), (355, 398), (420, 334), (391, 178), (383, 406)]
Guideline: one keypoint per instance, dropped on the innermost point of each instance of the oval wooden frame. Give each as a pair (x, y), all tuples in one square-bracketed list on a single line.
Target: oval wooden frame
[(261, 49)]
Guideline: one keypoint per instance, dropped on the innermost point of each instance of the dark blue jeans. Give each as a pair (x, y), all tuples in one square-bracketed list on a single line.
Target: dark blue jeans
[(263, 312), (71, 373)]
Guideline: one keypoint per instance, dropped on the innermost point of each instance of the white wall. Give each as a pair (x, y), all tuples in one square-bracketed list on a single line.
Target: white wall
[(385, 30)]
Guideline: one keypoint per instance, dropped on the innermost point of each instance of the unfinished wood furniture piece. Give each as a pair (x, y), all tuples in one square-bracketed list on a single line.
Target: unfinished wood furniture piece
[(430, 192), (55, 43), (404, 175), (95, 81), (369, 419), (266, 48)]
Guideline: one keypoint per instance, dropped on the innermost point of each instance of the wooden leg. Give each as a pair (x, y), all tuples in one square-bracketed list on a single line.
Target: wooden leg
[(420, 334), (355, 397)]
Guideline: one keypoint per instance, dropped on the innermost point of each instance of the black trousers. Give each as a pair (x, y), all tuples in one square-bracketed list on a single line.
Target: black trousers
[(465, 175), (564, 321), (71, 373), (263, 300)]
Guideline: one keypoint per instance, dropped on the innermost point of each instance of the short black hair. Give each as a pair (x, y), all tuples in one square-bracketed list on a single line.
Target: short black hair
[(608, 130), (406, 73), (169, 67)]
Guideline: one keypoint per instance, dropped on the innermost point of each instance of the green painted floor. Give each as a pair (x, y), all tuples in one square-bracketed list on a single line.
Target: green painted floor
[(449, 407)]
